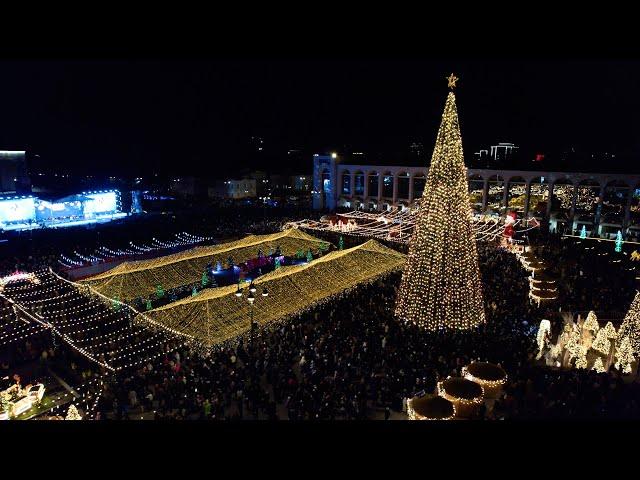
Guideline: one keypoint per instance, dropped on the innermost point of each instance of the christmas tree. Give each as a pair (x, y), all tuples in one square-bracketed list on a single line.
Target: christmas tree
[(598, 366), (581, 359), (610, 331), (591, 323), (205, 279), (440, 285), (619, 242), (624, 356), (602, 344), (72, 413), (149, 306), (159, 291), (631, 325), (341, 243), (194, 291), (309, 256), (583, 232), (277, 263)]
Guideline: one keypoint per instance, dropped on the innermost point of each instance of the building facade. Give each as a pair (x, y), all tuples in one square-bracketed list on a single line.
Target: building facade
[(563, 201), (234, 189)]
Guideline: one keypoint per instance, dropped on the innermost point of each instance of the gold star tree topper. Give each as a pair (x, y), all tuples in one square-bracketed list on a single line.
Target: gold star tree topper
[(452, 79)]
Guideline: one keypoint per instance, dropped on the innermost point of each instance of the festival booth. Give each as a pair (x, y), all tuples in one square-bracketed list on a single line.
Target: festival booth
[(430, 407), (465, 395), (488, 375)]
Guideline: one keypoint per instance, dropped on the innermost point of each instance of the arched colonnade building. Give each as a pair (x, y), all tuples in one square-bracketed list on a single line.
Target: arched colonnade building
[(563, 201)]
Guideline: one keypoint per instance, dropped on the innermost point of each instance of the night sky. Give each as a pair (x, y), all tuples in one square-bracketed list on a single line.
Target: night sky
[(197, 116)]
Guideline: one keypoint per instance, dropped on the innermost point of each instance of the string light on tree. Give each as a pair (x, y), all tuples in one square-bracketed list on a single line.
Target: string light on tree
[(601, 344), (631, 325), (619, 242), (583, 232), (624, 356), (598, 366), (591, 323), (72, 413), (440, 285)]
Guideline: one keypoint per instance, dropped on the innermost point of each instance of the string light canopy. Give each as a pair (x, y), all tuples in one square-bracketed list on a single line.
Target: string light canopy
[(131, 280), (440, 285), (218, 315)]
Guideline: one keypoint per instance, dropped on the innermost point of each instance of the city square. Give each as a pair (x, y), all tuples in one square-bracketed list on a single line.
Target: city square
[(326, 284)]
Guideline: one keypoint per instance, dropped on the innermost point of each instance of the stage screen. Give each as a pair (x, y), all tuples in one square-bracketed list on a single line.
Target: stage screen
[(17, 210), (48, 211), (101, 203)]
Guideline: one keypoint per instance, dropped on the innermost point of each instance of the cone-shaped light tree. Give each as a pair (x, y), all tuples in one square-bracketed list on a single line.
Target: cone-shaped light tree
[(631, 325), (440, 285)]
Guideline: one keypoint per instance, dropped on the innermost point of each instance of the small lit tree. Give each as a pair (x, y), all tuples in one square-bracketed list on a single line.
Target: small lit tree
[(601, 344), (624, 356), (598, 366), (583, 232), (72, 413), (159, 291), (341, 243), (631, 325), (149, 306), (591, 323), (205, 279), (309, 256)]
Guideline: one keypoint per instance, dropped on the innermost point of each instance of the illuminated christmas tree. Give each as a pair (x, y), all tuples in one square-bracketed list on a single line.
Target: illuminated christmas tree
[(440, 285), (277, 263), (601, 344), (194, 291), (631, 325), (581, 359), (598, 366), (309, 256), (72, 413), (591, 323), (149, 306), (205, 279), (341, 243), (624, 356), (159, 291), (583, 232), (610, 331), (619, 242)]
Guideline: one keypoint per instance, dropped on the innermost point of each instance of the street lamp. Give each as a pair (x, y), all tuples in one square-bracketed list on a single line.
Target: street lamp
[(251, 298)]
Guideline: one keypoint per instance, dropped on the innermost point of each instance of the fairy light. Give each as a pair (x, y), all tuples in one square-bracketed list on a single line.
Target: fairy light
[(602, 343), (480, 377), (469, 401), (216, 315), (591, 323), (441, 285), (631, 325), (624, 356), (414, 415), (598, 366), (140, 278)]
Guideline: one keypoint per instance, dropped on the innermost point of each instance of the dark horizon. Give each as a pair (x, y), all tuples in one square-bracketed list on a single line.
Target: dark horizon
[(196, 117)]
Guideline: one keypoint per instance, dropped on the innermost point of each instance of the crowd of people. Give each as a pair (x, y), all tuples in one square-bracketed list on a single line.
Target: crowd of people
[(350, 358)]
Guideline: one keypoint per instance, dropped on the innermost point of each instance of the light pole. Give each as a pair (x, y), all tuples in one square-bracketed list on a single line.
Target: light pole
[(251, 299)]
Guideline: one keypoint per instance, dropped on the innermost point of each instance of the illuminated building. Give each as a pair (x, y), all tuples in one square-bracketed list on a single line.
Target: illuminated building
[(604, 203)]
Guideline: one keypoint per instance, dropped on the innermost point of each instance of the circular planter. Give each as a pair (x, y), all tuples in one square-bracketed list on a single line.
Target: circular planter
[(430, 407), (490, 376)]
